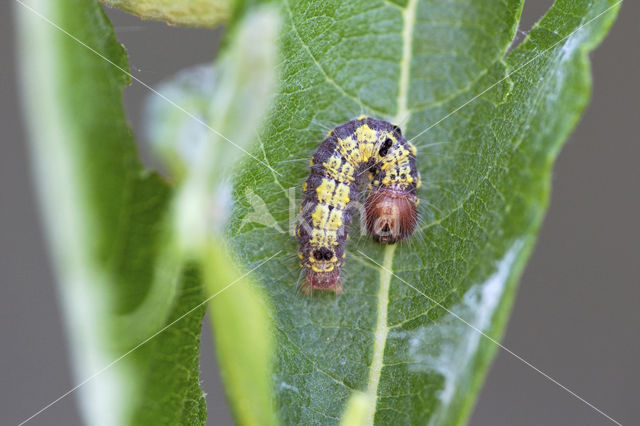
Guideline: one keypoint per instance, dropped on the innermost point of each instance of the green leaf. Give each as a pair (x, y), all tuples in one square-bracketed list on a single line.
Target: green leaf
[(242, 332), (188, 13), (228, 98), (494, 124), (121, 278)]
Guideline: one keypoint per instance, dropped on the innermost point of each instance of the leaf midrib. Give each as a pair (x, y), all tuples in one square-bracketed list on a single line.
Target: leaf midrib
[(386, 271), (381, 332)]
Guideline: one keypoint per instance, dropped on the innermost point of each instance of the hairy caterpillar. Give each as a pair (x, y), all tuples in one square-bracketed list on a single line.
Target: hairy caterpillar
[(365, 150)]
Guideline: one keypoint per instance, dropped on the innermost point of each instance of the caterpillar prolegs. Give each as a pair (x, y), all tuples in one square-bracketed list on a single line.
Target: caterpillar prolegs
[(365, 151)]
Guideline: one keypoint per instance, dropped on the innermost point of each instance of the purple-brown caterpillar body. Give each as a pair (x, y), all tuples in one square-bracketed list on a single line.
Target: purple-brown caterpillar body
[(362, 150)]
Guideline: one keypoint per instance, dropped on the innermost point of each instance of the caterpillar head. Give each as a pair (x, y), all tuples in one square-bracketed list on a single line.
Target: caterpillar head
[(390, 215)]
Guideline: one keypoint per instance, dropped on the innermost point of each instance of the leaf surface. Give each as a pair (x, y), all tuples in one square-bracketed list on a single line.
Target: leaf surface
[(488, 126)]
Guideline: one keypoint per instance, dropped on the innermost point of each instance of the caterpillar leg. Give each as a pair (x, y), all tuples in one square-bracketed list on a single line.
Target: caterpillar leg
[(328, 281), (306, 288)]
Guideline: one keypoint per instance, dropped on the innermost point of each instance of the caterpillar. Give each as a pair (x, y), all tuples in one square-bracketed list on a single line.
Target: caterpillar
[(364, 151)]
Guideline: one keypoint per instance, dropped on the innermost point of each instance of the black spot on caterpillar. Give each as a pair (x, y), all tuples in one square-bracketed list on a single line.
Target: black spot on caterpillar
[(356, 151)]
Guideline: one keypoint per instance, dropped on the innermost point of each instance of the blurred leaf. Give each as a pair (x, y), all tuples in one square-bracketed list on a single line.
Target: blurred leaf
[(121, 278), (225, 105), (227, 99), (242, 329), (188, 13), (486, 172)]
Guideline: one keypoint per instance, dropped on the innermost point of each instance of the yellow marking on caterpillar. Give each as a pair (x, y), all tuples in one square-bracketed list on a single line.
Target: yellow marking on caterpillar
[(349, 150), (399, 158), (335, 220), (317, 235), (320, 216), (365, 133), (413, 149), (323, 238), (341, 197), (325, 189), (347, 173), (339, 171), (366, 136), (329, 269), (325, 219), (334, 196)]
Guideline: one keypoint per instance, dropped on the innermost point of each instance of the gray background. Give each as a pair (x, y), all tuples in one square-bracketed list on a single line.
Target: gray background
[(576, 316)]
